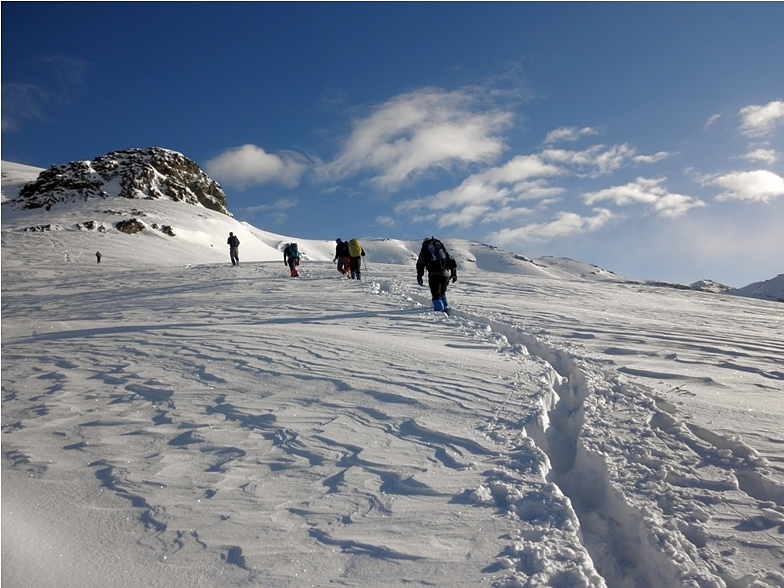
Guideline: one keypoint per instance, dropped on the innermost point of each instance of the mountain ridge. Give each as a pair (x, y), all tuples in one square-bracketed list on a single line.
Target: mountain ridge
[(168, 233)]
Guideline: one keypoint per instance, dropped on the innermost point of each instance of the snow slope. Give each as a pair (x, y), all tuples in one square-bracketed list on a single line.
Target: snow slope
[(772, 289), (14, 177), (168, 420)]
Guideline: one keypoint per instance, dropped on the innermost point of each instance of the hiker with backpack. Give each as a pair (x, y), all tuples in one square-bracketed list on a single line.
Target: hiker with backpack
[(356, 253), (441, 268), (342, 257), (291, 258), (234, 249)]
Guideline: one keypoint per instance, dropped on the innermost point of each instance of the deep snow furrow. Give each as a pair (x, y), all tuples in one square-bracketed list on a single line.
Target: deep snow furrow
[(631, 544), (622, 538)]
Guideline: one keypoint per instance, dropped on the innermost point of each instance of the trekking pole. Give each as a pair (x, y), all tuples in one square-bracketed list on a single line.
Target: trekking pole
[(364, 264)]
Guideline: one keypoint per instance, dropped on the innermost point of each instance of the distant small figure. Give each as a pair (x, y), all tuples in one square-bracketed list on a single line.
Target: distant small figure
[(342, 257), (441, 267), (291, 258), (98, 256), (356, 253), (234, 249)]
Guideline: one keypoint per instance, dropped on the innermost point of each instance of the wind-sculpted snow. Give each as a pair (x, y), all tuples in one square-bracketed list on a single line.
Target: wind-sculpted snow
[(220, 426)]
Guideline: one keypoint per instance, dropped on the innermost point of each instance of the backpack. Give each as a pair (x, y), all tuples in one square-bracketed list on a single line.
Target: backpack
[(293, 252), (354, 248), (436, 255)]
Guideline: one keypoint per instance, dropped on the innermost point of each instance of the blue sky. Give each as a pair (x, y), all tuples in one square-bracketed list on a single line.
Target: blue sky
[(645, 138)]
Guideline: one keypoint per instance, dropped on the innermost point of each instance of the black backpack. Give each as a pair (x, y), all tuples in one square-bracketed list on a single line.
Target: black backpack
[(438, 258)]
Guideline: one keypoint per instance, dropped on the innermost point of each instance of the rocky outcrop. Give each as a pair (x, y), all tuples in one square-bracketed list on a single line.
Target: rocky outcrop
[(130, 226), (135, 173)]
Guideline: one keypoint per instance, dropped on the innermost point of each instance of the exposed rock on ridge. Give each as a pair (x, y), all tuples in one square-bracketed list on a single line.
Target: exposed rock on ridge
[(134, 173)]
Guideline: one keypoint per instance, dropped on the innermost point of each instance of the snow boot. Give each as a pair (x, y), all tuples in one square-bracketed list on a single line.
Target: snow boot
[(438, 305)]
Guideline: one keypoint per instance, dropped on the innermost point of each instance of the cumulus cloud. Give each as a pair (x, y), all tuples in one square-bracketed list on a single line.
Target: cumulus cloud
[(768, 156), (490, 195), (568, 134), (753, 186), (565, 224), (419, 131), (757, 121), (646, 191), (594, 161), (480, 194), (249, 165)]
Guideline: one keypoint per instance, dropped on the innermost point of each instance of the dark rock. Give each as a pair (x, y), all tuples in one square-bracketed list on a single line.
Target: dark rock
[(38, 228), (142, 173), (130, 226)]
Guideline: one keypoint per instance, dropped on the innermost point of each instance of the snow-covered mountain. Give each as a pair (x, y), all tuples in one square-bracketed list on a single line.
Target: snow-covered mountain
[(169, 420), (80, 212), (146, 174), (772, 289), (78, 207)]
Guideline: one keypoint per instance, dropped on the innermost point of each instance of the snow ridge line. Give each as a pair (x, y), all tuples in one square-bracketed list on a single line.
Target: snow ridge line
[(621, 540)]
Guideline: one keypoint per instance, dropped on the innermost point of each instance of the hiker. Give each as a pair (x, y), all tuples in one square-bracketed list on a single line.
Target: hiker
[(342, 257), (291, 258), (234, 249), (98, 256), (356, 253), (441, 267)]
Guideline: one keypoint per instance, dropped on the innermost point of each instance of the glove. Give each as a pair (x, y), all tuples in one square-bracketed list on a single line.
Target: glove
[(454, 277), (419, 281)]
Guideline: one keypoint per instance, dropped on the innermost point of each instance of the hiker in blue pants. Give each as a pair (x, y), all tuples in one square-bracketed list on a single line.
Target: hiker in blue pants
[(441, 268)]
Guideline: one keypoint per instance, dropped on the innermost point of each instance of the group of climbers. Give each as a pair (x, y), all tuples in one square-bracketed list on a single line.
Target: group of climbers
[(349, 256), (441, 267)]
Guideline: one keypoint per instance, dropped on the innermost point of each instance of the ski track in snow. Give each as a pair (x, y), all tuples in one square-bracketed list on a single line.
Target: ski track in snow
[(238, 427)]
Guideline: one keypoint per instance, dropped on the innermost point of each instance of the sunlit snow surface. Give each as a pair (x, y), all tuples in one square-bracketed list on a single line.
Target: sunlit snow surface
[(203, 425)]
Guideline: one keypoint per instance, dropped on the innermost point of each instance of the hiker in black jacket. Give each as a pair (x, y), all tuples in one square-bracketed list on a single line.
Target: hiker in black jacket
[(342, 256), (234, 248), (441, 268)]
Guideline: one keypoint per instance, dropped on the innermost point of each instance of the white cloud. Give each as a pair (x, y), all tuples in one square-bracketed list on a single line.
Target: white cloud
[(488, 195), (249, 165), (385, 221), (507, 213), (768, 156), (568, 134), (712, 120), (52, 81), (758, 121), (273, 213), (599, 158), (564, 225), (754, 186), (416, 132), (478, 196), (646, 191), (651, 158)]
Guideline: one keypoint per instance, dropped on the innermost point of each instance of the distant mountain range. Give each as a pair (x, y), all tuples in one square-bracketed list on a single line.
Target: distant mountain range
[(143, 206)]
